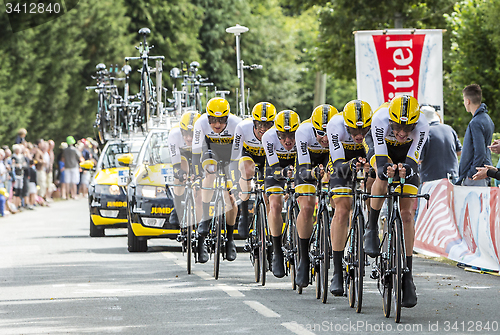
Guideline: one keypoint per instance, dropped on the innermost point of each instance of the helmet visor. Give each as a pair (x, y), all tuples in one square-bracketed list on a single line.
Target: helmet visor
[(358, 131), (396, 127), (263, 124), (214, 119)]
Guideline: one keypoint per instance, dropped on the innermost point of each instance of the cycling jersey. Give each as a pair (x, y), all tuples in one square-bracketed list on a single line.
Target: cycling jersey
[(246, 146), (342, 150), (277, 158), (310, 154), (386, 146), (205, 140), (178, 148)]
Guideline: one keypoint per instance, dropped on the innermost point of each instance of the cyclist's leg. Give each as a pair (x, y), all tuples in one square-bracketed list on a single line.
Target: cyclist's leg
[(338, 230), (247, 171), (304, 226), (275, 220), (407, 216), (231, 213), (178, 196), (371, 238), (210, 168)]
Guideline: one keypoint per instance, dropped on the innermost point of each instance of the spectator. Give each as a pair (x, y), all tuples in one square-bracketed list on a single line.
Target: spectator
[(50, 171), (21, 136), (439, 155), (487, 171), (3, 178), (72, 158), (41, 159), (32, 186), (495, 146), (62, 182), (478, 136), (18, 163), (85, 175)]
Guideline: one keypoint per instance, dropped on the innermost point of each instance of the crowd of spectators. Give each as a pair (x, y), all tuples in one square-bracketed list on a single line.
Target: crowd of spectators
[(32, 175)]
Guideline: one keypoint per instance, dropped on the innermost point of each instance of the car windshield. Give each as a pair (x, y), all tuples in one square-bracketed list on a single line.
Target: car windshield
[(110, 156), (157, 151)]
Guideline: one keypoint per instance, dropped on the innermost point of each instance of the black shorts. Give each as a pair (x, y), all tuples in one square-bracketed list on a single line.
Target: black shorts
[(302, 186), (397, 154), (340, 183), (270, 183), (259, 161)]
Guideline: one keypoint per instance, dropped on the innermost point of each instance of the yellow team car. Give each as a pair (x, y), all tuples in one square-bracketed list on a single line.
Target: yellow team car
[(149, 202), (107, 198)]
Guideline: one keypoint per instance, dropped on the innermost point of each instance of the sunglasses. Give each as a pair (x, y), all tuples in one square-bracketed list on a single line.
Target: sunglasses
[(214, 119), (396, 127), (358, 131), (320, 133), (263, 124), (283, 135)]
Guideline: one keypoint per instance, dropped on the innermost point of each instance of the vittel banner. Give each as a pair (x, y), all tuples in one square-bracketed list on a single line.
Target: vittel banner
[(395, 62)]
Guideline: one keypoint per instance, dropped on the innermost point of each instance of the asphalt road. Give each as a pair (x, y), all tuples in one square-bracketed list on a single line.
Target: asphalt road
[(55, 279)]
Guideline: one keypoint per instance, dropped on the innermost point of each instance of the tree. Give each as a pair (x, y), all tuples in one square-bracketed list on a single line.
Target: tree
[(473, 58)]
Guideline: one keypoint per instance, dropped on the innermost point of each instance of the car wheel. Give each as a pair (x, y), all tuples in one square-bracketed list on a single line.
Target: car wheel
[(134, 243), (95, 231)]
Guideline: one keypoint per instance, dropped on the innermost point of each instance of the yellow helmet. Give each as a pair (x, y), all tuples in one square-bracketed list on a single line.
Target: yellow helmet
[(321, 115), (357, 114), (287, 121), (404, 110), (218, 107), (188, 119), (264, 111)]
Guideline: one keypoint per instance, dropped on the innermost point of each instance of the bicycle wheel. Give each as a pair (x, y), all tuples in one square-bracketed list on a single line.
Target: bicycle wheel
[(359, 270), (350, 264), (296, 248), (219, 226), (386, 264), (189, 210), (397, 277), (254, 248), (324, 247), (145, 96), (261, 224)]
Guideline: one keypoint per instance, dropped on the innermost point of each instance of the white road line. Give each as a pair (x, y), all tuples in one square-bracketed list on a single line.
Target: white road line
[(261, 309), (231, 291), (203, 275), (296, 328)]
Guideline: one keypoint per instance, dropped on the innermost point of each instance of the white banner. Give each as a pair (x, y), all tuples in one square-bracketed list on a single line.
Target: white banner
[(400, 61)]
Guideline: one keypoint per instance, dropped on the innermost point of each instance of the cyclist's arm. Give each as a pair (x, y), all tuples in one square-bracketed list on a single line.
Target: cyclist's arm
[(380, 129), (335, 130), (303, 157), (236, 152), (419, 136), (174, 143), (198, 138), (269, 144)]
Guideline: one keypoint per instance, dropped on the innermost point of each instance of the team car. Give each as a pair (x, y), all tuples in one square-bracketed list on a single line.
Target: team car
[(106, 193), (150, 203)]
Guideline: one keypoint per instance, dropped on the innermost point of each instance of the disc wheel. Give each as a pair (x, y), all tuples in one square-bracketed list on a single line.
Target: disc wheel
[(324, 264), (398, 270)]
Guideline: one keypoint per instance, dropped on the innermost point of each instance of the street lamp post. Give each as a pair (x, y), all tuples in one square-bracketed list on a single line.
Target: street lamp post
[(237, 30)]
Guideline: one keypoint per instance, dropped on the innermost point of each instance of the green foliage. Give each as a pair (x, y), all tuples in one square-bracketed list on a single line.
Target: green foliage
[(473, 58)]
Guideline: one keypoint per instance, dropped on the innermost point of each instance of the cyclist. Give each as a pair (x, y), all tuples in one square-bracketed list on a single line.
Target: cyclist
[(279, 144), (180, 142), (399, 133), (313, 152), (213, 138), (248, 152), (349, 147)]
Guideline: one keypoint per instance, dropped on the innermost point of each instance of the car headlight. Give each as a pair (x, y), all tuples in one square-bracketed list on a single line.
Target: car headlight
[(151, 191), (107, 189)]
